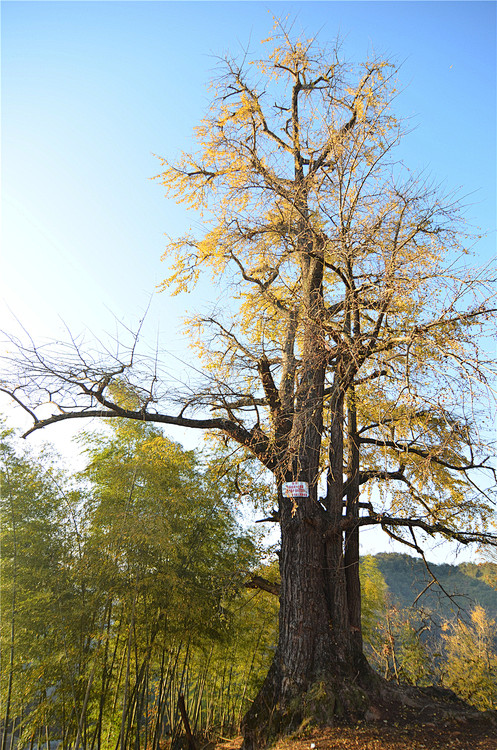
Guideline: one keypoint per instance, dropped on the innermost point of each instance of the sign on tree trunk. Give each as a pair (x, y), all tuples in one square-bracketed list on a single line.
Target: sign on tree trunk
[(295, 489)]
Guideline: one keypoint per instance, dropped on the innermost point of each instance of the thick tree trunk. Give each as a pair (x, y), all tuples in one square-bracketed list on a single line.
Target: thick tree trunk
[(318, 672), (318, 668), (315, 673)]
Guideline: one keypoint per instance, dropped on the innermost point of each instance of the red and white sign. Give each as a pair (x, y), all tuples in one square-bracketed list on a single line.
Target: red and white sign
[(295, 489)]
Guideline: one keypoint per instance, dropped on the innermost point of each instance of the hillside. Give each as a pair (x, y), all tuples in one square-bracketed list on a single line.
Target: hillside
[(467, 584)]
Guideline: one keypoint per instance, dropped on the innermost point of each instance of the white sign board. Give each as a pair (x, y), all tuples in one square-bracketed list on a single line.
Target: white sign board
[(295, 489)]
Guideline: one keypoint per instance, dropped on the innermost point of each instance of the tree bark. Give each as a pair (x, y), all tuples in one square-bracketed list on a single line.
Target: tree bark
[(351, 555), (8, 698), (317, 670)]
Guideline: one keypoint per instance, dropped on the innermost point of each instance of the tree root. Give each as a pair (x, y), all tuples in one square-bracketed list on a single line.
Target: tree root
[(372, 699)]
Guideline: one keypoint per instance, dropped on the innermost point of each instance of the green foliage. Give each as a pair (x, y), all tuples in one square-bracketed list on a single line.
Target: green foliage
[(421, 647), (485, 572), (125, 588), (158, 523), (34, 546), (374, 595), (468, 584), (393, 636), (416, 661), (471, 667)]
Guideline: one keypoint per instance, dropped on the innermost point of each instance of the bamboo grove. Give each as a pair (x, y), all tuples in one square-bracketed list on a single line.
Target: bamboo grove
[(107, 620), (121, 590)]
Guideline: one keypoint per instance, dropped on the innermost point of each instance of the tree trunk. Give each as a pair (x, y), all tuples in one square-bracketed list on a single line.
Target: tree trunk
[(351, 555), (8, 698), (317, 672)]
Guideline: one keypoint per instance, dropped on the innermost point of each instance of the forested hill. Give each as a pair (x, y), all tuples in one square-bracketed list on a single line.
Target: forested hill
[(469, 584)]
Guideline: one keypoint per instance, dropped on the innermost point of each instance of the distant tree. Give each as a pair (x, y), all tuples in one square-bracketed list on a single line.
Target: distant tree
[(416, 661), (34, 550), (354, 359), (374, 596), (471, 659)]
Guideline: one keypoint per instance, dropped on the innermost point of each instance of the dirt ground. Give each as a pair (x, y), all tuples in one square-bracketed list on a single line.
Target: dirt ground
[(424, 719), (420, 737), (426, 733)]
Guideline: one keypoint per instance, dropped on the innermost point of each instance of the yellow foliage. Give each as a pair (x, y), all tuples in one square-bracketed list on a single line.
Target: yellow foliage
[(333, 257)]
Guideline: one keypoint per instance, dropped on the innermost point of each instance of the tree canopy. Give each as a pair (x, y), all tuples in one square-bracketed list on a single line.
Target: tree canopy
[(340, 260)]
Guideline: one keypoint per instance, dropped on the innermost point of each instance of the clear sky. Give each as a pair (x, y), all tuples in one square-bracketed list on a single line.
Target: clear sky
[(92, 90)]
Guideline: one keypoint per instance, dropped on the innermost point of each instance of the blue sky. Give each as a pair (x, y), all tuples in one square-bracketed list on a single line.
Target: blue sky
[(92, 90)]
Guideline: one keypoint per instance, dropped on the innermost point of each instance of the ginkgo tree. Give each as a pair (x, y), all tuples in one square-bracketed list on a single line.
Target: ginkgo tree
[(352, 360)]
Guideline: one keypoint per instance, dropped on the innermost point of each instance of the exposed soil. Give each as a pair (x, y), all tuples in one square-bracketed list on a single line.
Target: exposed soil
[(402, 730), (368, 737)]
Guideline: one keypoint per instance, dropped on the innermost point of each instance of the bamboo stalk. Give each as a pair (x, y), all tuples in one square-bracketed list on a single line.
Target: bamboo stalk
[(12, 621)]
